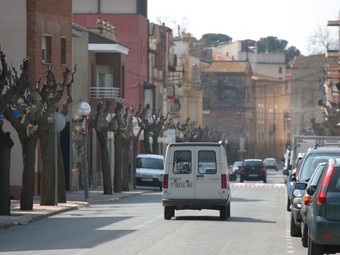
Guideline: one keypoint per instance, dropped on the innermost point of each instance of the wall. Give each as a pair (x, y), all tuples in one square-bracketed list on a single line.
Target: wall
[(132, 31), (13, 44)]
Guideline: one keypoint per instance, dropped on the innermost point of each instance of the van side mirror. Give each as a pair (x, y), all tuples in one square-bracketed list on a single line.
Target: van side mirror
[(232, 177)]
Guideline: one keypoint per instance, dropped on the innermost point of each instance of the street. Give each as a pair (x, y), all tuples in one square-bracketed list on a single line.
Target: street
[(259, 224)]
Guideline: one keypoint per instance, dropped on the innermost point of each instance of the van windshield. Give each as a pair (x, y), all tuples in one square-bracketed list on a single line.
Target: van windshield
[(150, 163)]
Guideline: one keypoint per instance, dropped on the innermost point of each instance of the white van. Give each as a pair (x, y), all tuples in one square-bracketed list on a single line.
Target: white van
[(196, 177)]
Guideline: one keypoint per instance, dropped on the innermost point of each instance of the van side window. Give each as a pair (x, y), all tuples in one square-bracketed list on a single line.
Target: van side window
[(182, 162), (207, 162)]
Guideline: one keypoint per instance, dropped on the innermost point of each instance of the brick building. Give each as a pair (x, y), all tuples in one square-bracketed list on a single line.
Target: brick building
[(41, 31)]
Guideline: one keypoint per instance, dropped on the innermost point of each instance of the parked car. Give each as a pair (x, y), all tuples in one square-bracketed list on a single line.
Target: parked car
[(290, 178), (306, 198), (236, 167), (323, 217), (253, 169), (149, 170), (196, 177), (270, 163), (312, 158)]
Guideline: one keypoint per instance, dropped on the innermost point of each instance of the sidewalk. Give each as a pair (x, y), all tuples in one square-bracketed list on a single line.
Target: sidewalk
[(75, 200)]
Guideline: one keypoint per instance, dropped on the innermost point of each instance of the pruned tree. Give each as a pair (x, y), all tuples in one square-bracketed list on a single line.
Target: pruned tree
[(34, 119), (51, 94), (330, 126), (159, 123), (6, 144), (134, 119), (26, 126), (126, 142), (191, 132), (102, 126), (119, 127)]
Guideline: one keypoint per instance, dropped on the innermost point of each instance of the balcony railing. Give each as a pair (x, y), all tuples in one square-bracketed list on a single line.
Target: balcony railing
[(104, 92)]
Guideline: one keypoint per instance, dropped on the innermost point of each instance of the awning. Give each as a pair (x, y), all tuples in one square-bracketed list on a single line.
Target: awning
[(108, 48)]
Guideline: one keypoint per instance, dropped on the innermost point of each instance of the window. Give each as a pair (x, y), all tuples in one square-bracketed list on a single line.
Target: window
[(150, 163), (280, 70), (63, 51), (182, 162), (104, 76), (207, 162), (46, 49)]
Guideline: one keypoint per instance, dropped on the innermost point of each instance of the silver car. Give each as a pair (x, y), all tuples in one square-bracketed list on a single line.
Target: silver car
[(150, 170)]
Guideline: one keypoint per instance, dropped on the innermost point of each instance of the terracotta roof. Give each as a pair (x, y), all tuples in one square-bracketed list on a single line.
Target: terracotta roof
[(262, 77), (227, 67), (219, 56), (310, 62)]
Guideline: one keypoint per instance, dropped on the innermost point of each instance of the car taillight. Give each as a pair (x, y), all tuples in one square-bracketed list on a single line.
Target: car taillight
[(165, 181), (306, 199), (324, 186), (263, 170), (223, 181), (242, 170)]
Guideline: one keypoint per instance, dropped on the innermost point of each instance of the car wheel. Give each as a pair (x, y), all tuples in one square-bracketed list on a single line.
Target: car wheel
[(169, 212), (228, 211), (314, 249), (241, 179), (295, 231), (265, 180), (288, 205), (223, 213), (304, 238)]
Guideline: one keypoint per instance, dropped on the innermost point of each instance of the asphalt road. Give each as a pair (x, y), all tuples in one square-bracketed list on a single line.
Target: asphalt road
[(259, 224)]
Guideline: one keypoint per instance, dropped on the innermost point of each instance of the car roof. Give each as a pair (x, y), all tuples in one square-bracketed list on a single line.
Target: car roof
[(150, 156), (255, 159), (239, 161), (323, 150)]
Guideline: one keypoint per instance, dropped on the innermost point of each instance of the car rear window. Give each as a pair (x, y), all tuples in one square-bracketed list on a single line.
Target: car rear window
[(310, 163), (207, 162), (253, 164), (334, 185), (182, 162)]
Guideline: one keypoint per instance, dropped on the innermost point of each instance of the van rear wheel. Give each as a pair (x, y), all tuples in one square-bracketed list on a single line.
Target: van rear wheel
[(169, 212), (225, 212)]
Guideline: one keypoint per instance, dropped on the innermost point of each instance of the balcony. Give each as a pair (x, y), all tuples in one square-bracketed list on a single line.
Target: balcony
[(104, 92)]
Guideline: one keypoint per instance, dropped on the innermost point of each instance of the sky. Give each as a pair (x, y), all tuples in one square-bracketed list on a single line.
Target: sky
[(292, 20)]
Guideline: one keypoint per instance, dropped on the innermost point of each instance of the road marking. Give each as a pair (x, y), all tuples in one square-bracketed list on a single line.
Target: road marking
[(289, 243), (258, 185)]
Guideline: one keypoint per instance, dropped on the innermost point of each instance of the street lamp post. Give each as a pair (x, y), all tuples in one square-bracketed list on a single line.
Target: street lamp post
[(84, 110)]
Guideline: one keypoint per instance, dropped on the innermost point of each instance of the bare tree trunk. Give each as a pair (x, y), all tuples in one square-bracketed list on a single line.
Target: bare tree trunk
[(147, 148), (6, 144), (125, 164), (28, 154), (48, 163), (105, 161), (118, 163), (155, 147), (61, 175)]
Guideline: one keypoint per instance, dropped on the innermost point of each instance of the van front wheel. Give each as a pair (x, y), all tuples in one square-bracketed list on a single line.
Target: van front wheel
[(169, 212)]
